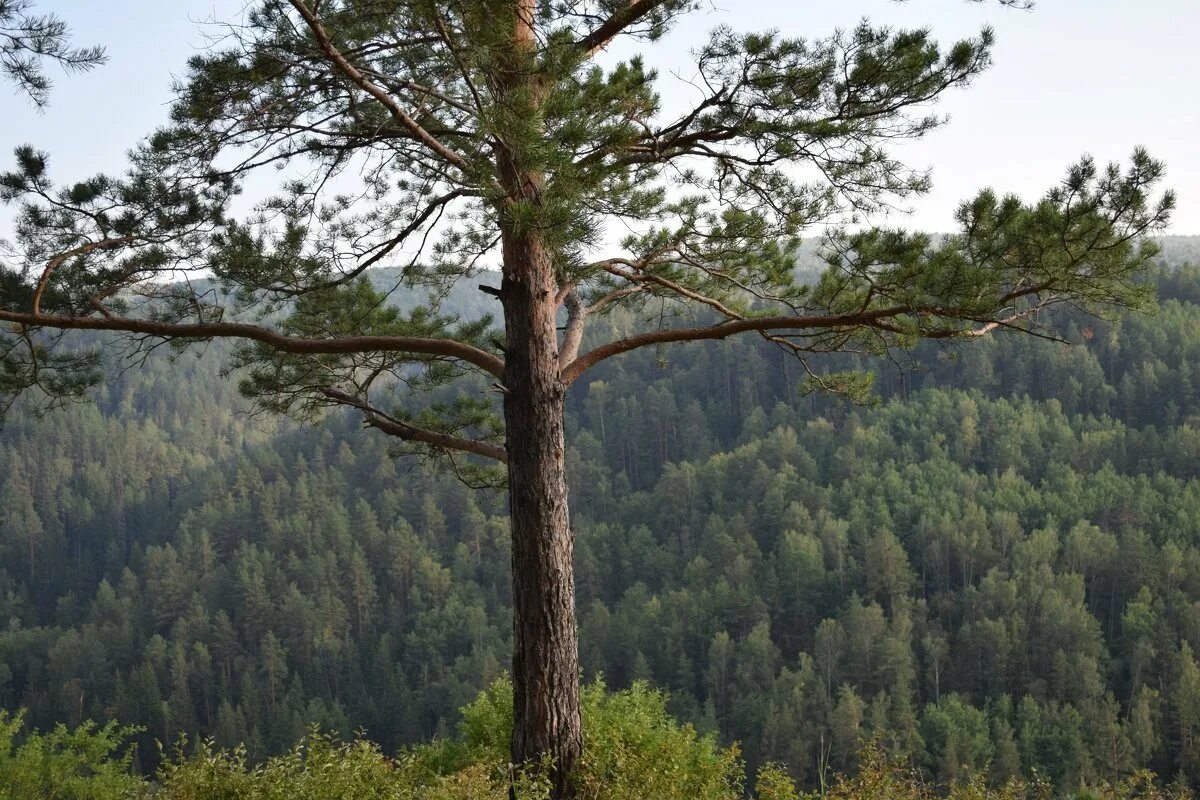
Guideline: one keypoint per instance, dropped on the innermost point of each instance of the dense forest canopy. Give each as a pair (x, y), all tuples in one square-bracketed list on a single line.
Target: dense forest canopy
[(996, 567)]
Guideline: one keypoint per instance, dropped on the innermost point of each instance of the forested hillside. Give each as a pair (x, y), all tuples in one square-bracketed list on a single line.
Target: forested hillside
[(997, 566)]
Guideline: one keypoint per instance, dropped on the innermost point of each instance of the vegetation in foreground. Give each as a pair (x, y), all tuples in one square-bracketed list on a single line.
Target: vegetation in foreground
[(634, 750)]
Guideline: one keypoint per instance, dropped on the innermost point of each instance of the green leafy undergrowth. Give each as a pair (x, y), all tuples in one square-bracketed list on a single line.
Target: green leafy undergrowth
[(633, 750), (883, 777), (90, 762)]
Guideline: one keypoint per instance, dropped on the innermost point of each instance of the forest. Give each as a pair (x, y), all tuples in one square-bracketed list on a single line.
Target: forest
[(991, 567)]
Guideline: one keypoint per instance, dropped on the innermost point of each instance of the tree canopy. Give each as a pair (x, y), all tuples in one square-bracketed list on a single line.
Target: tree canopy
[(388, 119)]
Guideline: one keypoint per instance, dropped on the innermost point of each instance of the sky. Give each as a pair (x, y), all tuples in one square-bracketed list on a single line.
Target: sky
[(1070, 77)]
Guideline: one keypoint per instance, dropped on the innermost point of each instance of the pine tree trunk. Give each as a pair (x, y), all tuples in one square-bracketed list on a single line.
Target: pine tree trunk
[(545, 667)]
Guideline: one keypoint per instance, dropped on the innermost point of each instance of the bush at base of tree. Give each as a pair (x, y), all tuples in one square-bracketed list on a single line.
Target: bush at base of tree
[(634, 751)]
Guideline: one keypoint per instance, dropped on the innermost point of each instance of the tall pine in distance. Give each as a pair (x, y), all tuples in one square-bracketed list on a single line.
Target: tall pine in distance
[(442, 138)]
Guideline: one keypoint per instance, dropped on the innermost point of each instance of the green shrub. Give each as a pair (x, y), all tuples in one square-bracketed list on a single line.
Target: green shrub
[(882, 777), (633, 750), (87, 763), (321, 767)]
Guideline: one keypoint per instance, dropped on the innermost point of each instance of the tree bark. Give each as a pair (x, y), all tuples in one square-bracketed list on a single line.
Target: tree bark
[(546, 707), (546, 710)]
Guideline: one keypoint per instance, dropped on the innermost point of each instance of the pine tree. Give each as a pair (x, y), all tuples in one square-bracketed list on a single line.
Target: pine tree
[(1185, 710), (436, 137)]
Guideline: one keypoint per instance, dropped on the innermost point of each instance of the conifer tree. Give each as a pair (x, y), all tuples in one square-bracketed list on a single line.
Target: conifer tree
[(439, 138)]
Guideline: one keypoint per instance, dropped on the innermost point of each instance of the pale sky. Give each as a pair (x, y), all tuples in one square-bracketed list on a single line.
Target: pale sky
[(1070, 77)]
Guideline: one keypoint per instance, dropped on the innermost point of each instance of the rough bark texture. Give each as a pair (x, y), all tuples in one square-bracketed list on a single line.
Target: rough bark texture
[(546, 709), (545, 643)]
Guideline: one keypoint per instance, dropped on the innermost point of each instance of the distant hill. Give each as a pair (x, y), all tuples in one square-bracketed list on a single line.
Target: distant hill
[(1180, 249)]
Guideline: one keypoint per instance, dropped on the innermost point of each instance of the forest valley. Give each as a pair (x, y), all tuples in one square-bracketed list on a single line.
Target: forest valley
[(992, 573)]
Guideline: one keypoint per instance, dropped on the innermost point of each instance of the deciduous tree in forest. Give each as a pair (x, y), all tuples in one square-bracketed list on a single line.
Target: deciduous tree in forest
[(445, 137)]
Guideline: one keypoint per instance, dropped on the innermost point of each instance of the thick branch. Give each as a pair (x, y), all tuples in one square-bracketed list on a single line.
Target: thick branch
[(448, 348), (722, 330), (612, 27), (402, 430), (58, 260), (877, 319), (573, 335)]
